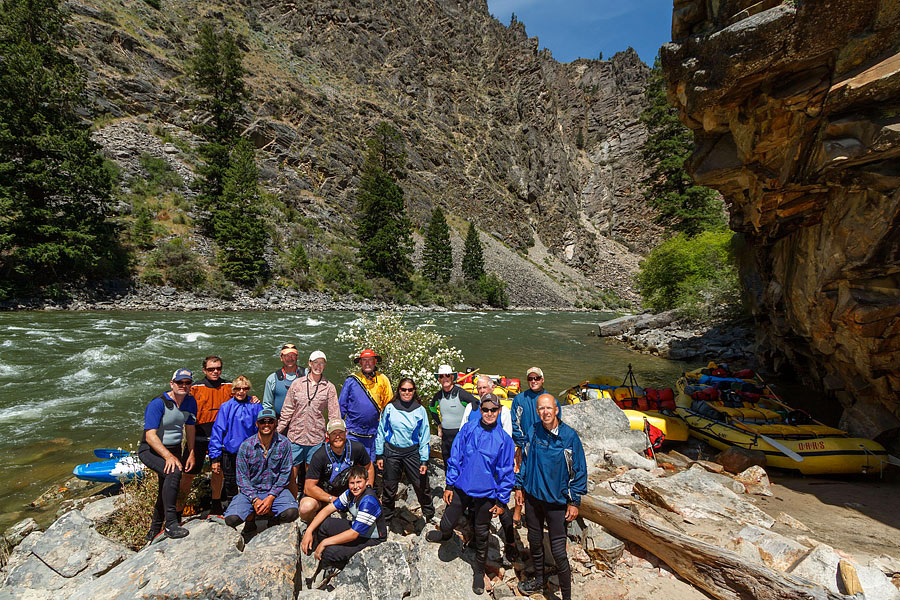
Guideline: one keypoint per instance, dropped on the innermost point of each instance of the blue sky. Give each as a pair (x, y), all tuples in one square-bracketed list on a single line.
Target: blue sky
[(584, 28)]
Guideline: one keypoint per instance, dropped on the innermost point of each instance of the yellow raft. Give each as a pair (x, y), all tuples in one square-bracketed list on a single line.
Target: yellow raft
[(790, 439), (670, 424)]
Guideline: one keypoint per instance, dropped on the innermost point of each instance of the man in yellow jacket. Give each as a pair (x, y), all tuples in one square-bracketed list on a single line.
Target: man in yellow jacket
[(362, 399)]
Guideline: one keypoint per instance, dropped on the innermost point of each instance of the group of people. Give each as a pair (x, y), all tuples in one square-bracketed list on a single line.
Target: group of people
[(304, 451)]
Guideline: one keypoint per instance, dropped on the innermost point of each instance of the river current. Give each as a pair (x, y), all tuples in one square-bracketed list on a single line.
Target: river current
[(74, 381)]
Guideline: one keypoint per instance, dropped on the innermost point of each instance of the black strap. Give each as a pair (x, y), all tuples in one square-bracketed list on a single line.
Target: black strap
[(368, 395)]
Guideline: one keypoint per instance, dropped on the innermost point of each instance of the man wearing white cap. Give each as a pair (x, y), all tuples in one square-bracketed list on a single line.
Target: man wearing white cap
[(303, 415), (451, 401)]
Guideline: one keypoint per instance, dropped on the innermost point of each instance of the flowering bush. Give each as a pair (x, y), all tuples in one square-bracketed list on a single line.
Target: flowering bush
[(414, 353)]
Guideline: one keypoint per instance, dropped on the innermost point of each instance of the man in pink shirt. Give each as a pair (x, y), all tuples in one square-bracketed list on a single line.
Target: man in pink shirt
[(303, 416)]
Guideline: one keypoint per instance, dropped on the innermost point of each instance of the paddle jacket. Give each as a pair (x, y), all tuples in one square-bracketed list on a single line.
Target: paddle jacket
[(210, 397), (234, 424), (361, 401), (403, 425), (481, 462), (452, 405), (302, 415), (368, 520), (553, 465), (473, 414), (168, 419), (277, 386), (261, 473), (525, 415)]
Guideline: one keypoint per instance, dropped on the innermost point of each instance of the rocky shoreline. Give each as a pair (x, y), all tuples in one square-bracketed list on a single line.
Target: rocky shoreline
[(120, 296), (667, 335)]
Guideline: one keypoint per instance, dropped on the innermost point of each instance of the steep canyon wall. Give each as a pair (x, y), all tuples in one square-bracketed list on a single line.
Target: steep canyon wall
[(795, 108)]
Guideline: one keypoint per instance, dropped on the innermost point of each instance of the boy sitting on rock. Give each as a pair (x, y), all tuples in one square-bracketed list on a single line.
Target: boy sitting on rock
[(337, 540)]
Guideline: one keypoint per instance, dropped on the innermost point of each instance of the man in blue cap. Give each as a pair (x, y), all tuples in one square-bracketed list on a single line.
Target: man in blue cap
[(263, 470)]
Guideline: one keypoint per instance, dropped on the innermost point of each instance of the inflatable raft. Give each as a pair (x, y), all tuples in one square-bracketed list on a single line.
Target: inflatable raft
[(743, 411), (658, 409)]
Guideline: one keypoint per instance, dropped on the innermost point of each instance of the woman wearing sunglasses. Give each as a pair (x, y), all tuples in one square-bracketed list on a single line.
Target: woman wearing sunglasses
[(479, 478), (402, 445), (235, 422)]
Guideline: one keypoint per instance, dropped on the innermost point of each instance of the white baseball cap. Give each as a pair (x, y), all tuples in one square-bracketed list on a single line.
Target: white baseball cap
[(317, 354)]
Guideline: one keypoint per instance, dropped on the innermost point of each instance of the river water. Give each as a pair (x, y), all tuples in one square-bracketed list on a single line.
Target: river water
[(72, 382)]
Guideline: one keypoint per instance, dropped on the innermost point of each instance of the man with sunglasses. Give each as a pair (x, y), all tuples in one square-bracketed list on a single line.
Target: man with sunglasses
[(263, 470), (479, 478), (279, 382), (524, 416), (210, 392), (452, 401)]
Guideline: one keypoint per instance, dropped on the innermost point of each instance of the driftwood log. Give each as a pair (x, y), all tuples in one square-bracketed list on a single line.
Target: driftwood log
[(720, 573)]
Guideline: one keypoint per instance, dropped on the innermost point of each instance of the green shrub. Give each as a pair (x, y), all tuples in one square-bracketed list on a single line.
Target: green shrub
[(160, 177), (690, 273), (152, 277), (154, 4), (220, 287), (179, 265), (492, 290)]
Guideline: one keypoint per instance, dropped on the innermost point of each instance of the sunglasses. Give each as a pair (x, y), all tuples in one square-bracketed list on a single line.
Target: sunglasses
[(213, 369), (447, 375), (407, 390), (183, 383), (490, 410), (240, 389), (266, 422), (535, 378)]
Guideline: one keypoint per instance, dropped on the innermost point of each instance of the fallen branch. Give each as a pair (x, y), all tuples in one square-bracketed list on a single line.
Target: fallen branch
[(721, 573)]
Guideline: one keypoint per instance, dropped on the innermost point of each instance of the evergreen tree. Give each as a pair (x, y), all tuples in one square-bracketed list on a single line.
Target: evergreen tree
[(473, 259), (438, 254), (683, 206), (142, 229), (385, 229), (238, 227), (54, 187), (218, 74)]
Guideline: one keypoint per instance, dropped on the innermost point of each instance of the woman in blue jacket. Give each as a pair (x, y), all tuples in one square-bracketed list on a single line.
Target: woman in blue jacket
[(402, 445), (235, 422), (550, 483), (480, 478)]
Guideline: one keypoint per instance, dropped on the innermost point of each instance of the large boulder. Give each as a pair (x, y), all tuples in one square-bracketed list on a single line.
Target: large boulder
[(68, 554), (602, 427), (450, 560), (699, 495), (212, 562), (379, 572), (821, 566)]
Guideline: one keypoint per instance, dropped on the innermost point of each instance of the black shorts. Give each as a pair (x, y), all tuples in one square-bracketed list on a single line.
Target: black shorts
[(202, 431)]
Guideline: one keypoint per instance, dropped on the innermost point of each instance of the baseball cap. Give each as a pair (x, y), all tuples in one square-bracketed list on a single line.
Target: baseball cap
[(536, 370), (316, 355), (266, 413), (490, 398), (289, 348), (180, 374), (335, 424)]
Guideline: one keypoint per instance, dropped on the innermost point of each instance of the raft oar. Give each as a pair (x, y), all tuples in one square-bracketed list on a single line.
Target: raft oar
[(461, 376), (783, 449)]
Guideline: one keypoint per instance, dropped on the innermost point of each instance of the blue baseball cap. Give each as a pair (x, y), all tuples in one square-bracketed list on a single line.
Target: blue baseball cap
[(266, 413), (180, 374)]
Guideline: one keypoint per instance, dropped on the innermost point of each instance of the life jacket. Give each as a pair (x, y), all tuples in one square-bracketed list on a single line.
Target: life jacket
[(380, 528), (340, 468)]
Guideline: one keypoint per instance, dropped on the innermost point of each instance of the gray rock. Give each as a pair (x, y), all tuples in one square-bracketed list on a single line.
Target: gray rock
[(15, 534), (769, 548), (697, 495), (625, 457), (380, 572), (617, 326), (266, 568), (450, 560), (600, 545), (101, 510), (603, 426)]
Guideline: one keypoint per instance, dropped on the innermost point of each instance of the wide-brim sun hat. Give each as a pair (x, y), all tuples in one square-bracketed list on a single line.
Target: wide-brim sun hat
[(445, 370), (368, 353)]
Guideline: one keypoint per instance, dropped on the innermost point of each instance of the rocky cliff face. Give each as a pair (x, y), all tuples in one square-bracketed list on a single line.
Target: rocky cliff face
[(796, 111), (538, 153)]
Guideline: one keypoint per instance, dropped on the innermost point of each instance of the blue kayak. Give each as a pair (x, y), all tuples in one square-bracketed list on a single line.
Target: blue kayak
[(118, 466)]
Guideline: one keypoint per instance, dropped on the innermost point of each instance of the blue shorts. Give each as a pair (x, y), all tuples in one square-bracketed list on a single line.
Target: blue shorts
[(302, 454), (241, 505)]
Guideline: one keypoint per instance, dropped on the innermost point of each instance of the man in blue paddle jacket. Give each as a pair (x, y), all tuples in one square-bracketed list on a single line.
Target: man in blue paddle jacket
[(363, 397), (550, 483)]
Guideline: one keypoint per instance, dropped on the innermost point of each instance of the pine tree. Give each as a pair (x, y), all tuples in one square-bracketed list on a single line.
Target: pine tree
[(54, 188), (239, 228), (473, 259), (385, 229), (142, 228), (683, 206), (218, 74), (438, 253)]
